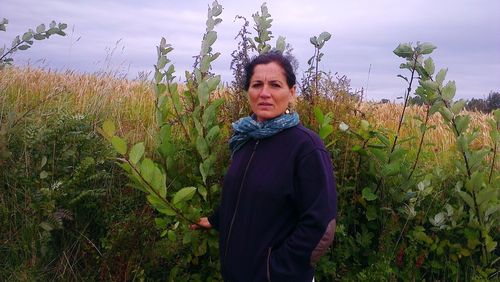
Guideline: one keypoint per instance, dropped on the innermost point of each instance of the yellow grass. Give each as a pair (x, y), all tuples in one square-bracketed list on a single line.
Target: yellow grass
[(131, 105)]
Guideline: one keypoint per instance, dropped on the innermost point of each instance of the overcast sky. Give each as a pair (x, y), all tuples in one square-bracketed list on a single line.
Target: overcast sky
[(467, 34)]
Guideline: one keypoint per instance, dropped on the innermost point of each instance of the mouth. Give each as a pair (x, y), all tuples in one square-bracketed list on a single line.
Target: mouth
[(264, 104)]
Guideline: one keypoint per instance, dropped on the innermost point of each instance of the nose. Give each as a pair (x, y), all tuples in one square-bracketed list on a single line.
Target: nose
[(264, 93)]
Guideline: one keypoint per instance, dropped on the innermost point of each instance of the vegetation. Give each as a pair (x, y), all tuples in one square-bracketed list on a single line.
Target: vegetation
[(100, 177)]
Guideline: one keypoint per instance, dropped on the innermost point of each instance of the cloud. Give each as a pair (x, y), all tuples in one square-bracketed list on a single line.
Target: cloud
[(364, 35)]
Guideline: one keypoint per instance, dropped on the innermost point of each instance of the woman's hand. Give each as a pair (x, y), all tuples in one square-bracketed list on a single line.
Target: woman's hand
[(202, 223)]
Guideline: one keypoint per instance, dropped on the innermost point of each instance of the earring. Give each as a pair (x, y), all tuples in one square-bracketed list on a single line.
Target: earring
[(287, 111)]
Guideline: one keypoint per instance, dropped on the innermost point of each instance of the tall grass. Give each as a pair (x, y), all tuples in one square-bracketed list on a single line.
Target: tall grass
[(131, 104), (128, 102)]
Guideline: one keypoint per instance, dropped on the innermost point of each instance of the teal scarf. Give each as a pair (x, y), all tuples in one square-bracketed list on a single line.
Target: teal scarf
[(248, 128)]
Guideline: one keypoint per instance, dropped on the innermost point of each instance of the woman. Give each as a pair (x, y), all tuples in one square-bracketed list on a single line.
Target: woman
[(278, 206)]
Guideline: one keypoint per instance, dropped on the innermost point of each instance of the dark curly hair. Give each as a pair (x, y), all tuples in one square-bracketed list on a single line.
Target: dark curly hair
[(270, 57)]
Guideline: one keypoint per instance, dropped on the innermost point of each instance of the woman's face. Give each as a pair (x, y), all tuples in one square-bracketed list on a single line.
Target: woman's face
[(269, 94)]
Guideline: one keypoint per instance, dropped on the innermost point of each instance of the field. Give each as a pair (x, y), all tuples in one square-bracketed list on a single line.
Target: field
[(101, 177), (68, 212)]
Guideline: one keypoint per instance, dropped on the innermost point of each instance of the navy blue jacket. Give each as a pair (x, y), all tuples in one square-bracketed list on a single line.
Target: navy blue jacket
[(278, 208)]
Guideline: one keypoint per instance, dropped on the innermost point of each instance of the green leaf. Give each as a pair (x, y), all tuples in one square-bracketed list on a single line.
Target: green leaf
[(280, 44), (136, 153), (171, 236), (428, 84), (27, 36), (365, 125), (380, 155), (160, 88), (203, 93), (462, 123), (382, 138), (325, 131), (40, 28), (119, 144), (43, 174), (160, 205), (158, 76), (324, 36), (158, 181), (205, 64), (23, 47), (368, 194), (206, 167), (319, 115), (429, 66), (203, 192), (485, 195), (458, 106), (404, 51), (166, 148), (161, 223), (391, 169), (426, 48), (52, 31), (491, 210), (440, 76), (371, 213), (448, 92), (184, 194), (446, 113), (202, 147), (39, 36), (491, 245), (209, 39), (62, 26), (475, 182), (212, 134), (436, 107), (496, 114), (108, 127), (213, 82), (162, 62), (462, 144), (397, 154), (147, 170), (15, 41), (187, 238)]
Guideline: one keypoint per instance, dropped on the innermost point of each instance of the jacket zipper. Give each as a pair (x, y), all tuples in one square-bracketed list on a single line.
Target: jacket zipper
[(238, 199), (269, 264)]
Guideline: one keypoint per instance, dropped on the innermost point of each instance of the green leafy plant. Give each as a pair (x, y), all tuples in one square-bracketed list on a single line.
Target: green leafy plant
[(25, 41), (183, 178), (262, 26)]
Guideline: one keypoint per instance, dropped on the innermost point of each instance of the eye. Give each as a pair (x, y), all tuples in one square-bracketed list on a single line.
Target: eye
[(256, 84)]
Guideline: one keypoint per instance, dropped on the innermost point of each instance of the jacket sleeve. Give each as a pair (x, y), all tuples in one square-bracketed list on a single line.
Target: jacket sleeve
[(316, 202)]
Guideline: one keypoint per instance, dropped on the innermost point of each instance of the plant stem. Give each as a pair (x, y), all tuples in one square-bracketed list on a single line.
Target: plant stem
[(170, 205), (493, 161), (405, 105), (178, 116), (11, 50), (420, 145)]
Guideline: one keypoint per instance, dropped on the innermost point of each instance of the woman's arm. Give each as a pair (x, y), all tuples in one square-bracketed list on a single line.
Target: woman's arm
[(317, 206)]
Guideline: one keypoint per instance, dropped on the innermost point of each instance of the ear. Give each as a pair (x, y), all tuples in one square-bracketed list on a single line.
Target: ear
[(293, 91)]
